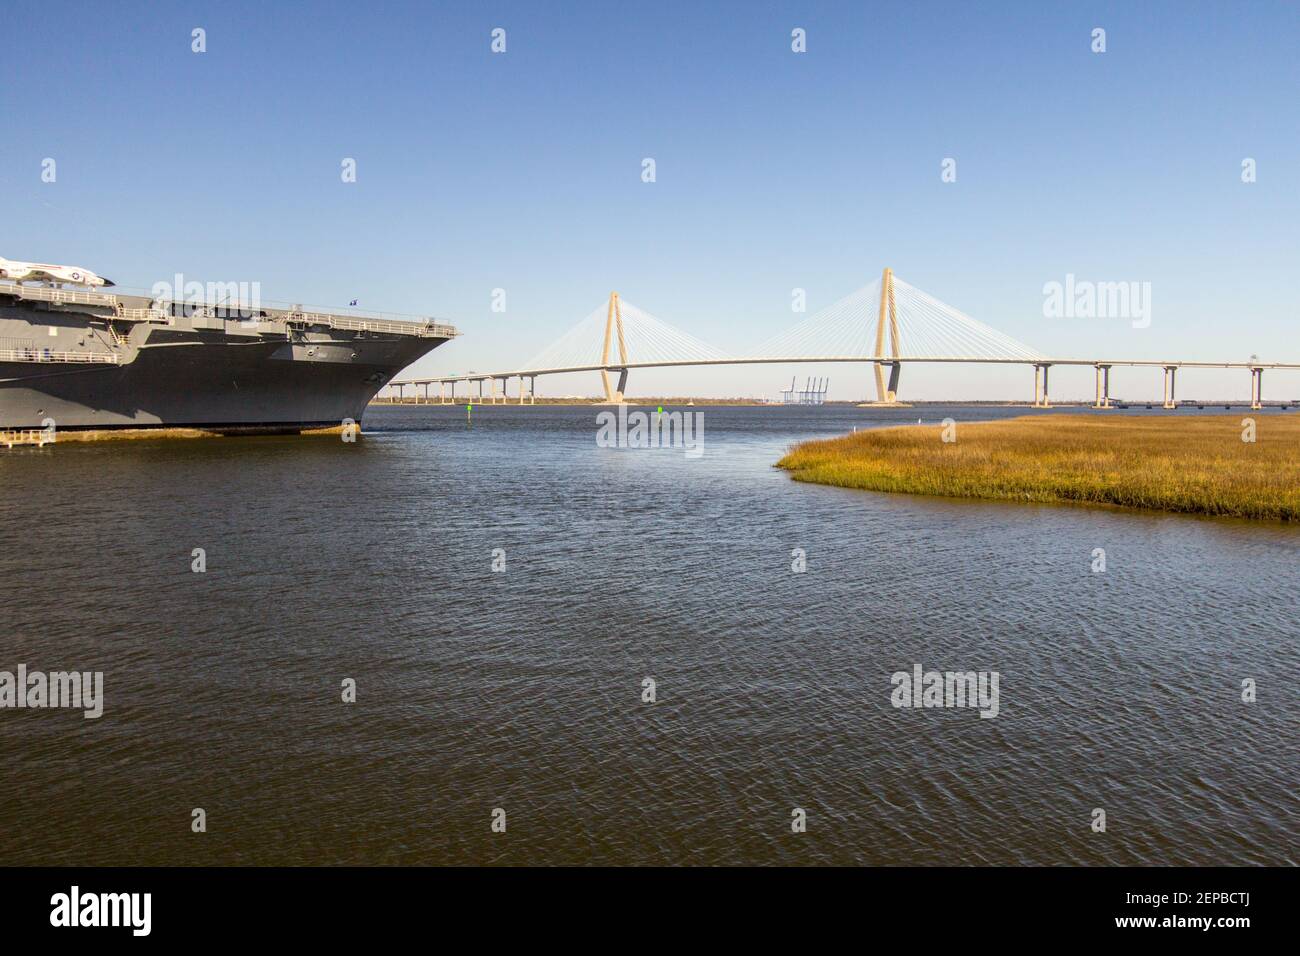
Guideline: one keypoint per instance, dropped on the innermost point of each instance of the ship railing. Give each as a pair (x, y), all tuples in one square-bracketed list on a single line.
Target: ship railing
[(144, 315), (48, 355), (428, 329), (41, 293)]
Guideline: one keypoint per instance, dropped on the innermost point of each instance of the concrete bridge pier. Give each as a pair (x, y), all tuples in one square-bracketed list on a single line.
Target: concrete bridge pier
[(1256, 388), (1040, 385), (887, 394), (895, 372), (613, 395), (1171, 373), (1103, 387), (614, 332)]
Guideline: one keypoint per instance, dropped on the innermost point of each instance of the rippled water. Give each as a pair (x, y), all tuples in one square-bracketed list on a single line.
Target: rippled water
[(522, 689)]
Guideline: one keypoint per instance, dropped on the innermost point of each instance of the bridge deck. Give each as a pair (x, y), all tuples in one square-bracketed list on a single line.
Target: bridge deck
[(831, 359)]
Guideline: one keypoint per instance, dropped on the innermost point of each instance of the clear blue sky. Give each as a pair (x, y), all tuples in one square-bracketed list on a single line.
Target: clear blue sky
[(775, 170)]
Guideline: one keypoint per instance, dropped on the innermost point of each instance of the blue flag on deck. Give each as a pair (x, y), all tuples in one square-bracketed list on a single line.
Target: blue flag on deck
[(353, 302)]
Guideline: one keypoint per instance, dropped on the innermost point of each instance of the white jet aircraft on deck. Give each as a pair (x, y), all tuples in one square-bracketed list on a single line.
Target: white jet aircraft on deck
[(18, 271)]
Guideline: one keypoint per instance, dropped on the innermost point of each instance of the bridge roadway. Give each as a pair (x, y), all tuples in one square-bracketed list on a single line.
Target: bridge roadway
[(1040, 366)]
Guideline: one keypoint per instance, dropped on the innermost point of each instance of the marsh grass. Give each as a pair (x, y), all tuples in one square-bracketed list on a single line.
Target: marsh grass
[(1197, 465)]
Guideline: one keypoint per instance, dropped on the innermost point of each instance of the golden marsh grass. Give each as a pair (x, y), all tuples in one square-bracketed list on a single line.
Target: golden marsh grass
[(1191, 464)]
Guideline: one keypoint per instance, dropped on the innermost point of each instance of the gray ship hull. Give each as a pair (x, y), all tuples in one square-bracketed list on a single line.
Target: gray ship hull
[(281, 371)]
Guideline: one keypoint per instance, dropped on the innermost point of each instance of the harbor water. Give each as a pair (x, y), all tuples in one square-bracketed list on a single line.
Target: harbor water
[(507, 597)]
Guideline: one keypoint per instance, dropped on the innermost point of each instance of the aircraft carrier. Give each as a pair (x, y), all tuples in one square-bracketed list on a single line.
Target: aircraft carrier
[(84, 360)]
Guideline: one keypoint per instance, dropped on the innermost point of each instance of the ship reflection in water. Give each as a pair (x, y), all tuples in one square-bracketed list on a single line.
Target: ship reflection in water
[(522, 689)]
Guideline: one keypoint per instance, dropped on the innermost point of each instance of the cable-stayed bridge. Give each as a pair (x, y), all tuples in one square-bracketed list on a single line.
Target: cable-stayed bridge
[(887, 324)]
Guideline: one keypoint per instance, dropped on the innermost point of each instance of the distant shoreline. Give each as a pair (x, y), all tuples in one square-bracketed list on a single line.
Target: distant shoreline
[(1205, 465), (678, 401)]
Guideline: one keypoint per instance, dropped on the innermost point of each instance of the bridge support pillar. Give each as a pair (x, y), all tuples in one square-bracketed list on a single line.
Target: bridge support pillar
[(895, 371), (613, 323), (1103, 387), (614, 395), (887, 394), (1171, 373), (532, 390), (1256, 388), (1040, 386)]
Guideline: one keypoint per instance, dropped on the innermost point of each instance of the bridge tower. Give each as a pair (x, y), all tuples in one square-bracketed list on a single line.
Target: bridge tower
[(887, 394), (613, 323)]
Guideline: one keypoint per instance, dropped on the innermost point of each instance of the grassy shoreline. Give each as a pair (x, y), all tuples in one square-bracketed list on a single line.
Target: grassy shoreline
[(1191, 465)]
